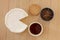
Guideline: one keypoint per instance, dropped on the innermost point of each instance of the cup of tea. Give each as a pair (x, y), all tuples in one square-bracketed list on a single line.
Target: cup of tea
[(35, 29)]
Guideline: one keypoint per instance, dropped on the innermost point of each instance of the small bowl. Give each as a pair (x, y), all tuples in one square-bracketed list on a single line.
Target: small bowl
[(38, 33)]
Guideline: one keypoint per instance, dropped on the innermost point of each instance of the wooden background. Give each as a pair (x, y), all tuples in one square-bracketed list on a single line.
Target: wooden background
[(51, 29)]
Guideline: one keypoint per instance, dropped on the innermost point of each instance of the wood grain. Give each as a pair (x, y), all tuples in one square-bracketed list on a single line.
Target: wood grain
[(51, 28)]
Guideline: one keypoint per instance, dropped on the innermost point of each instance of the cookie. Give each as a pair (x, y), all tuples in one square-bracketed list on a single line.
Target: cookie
[(34, 9)]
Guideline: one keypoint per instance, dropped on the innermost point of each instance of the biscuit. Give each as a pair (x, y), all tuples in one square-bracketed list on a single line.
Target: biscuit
[(34, 9)]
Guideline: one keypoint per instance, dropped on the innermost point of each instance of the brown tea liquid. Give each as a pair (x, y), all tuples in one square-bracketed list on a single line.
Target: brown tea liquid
[(47, 14), (35, 28)]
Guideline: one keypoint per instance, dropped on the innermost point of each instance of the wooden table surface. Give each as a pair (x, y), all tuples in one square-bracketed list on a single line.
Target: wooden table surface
[(51, 28)]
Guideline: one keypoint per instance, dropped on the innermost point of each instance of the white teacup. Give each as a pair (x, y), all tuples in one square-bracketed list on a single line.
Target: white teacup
[(41, 31)]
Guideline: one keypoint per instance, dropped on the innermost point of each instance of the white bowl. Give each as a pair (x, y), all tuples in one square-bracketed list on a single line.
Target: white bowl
[(36, 34)]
